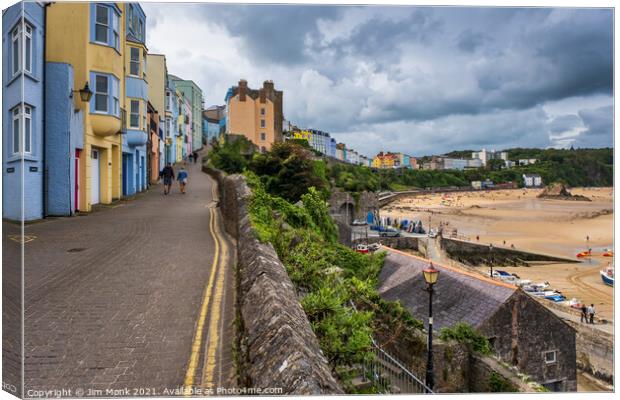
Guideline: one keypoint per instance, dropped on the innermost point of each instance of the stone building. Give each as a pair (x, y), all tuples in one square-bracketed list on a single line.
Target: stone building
[(522, 331), (255, 114)]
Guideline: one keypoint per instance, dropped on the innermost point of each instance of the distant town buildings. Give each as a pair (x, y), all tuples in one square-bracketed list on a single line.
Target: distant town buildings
[(255, 114), (393, 160), (193, 94), (532, 180), (484, 155)]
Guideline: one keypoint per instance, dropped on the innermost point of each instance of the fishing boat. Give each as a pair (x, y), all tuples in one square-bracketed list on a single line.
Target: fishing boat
[(608, 254), (555, 297), (607, 275)]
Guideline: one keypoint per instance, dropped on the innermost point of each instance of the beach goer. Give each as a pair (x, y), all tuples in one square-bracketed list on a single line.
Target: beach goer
[(584, 313), (477, 238), (591, 312), (168, 175), (182, 178)]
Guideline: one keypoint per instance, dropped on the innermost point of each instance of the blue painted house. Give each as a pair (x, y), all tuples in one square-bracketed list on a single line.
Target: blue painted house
[(172, 105), (134, 168), (22, 117)]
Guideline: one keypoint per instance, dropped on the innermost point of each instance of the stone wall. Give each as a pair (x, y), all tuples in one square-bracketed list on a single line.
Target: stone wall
[(398, 243), (360, 204), (522, 330), (487, 374), (595, 352), (277, 347), (479, 253)]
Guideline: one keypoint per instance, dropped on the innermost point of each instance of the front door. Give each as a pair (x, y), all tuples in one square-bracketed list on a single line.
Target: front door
[(94, 187), (125, 172)]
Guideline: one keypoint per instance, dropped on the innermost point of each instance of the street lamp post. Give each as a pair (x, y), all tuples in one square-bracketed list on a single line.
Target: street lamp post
[(430, 277), (491, 258)]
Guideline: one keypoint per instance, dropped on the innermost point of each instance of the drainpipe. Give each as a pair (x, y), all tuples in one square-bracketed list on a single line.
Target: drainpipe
[(43, 129)]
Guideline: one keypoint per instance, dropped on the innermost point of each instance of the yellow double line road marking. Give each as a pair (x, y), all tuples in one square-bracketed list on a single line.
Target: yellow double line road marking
[(204, 308)]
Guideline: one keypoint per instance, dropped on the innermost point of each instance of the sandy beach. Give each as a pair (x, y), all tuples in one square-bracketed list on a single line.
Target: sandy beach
[(517, 217)]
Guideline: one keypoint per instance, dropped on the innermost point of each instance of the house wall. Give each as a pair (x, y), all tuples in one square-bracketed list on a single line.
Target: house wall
[(522, 330), (28, 167), (68, 40), (65, 135)]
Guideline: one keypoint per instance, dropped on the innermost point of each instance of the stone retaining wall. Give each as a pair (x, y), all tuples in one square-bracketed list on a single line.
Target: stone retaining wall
[(595, 351), (277, 347), (479, 253), (398, 243)]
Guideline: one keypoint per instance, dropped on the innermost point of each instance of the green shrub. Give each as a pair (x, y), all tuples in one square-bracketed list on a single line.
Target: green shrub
[(464, 333)]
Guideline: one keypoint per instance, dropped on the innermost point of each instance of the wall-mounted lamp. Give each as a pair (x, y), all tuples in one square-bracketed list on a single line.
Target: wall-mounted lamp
[(85, 93)]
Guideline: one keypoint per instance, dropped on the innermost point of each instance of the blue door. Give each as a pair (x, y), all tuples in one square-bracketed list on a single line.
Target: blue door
[(125, 172)]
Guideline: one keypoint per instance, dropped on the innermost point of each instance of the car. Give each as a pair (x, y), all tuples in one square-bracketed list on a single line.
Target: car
[(374, 246), (390, 233), (359, 222)]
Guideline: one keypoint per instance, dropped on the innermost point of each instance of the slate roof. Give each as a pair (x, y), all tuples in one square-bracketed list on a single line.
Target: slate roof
[(460, 296)]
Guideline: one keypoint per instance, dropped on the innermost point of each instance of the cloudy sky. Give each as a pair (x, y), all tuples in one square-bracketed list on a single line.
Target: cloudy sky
[(423, 80)]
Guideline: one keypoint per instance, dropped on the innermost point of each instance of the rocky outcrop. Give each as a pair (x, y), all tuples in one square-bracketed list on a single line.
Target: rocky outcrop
[(277, 347), (558, 191)]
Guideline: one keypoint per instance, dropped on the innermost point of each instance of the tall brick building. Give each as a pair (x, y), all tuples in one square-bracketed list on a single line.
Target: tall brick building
[(255, 114)]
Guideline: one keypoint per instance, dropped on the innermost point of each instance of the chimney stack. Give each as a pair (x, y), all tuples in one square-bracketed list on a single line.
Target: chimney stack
[(261, 94), (243, 87)]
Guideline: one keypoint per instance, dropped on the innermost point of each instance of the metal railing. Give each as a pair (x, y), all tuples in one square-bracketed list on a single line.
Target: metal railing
[(390, 376)]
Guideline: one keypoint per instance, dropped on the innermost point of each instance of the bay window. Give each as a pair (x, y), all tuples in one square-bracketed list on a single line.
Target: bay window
[(134, 114), (105, 25)]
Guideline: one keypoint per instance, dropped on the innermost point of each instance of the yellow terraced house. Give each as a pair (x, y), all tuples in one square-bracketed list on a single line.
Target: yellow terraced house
[(91, 37)]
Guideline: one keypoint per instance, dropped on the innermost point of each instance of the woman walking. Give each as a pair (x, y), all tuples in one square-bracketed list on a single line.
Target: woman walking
[(182, 178)]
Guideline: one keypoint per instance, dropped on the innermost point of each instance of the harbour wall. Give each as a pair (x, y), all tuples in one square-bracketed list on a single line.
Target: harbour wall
[(276, 345), (595, 351), (475, 253)]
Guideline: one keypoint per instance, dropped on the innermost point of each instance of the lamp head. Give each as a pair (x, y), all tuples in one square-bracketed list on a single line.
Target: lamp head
[(86, 93), (431, 274)]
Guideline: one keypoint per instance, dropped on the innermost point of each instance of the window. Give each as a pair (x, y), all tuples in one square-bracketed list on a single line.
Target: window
[(262, 123), (106, 94), (18, 117), (134, 61), (104, 25), (28, 48), (550, 357), (134, 114), (168, 101), (262, 111), (101, 93), (144, 63), (16, 43), (262, 136)]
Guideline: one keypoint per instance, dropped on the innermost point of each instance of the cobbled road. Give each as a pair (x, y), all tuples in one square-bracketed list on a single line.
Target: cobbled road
[(135, 298)]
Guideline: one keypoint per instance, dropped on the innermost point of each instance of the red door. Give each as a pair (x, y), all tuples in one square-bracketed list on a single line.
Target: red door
[(77, 180)]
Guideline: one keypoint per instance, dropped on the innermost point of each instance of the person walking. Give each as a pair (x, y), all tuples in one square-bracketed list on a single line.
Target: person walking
[(195, 157), (182, 178), (584, 313), (191, 155), (168, 175), (591, 312)]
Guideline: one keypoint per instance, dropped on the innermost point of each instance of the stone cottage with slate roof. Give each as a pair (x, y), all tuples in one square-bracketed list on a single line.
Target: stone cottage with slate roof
[(522, 331)]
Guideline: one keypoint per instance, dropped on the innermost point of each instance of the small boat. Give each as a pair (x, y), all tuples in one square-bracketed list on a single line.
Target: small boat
[(608, 254), (556, 297), (361, 248), (584, 254), (574, 303), (607, 275)]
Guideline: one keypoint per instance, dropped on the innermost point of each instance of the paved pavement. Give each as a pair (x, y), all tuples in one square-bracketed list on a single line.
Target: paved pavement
[(136, 297)]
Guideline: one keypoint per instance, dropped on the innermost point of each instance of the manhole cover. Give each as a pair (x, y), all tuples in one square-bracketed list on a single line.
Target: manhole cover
[(76, 250)]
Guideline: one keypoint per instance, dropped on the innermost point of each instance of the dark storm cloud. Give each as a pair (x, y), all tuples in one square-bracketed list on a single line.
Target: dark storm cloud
[(470, 40), (272, 33), (600, 125), (564, 123)]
